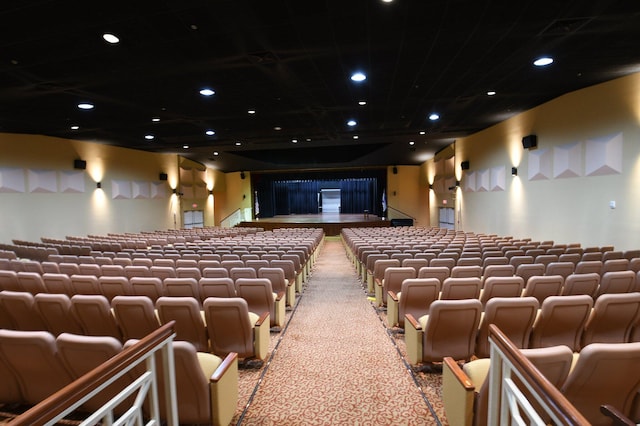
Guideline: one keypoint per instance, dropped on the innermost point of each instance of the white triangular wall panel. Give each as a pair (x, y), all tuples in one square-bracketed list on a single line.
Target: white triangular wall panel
[(603, 156), (470, 181), (498, 179), (540, 164), (72, 182), (44, 181), (120, 189), (483, 181), (567, 160), (12, 180), (159, 190), (140, 190)]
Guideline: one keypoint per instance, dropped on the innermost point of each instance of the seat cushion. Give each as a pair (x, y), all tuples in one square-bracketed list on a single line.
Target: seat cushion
[(208, 363), (477, 371)]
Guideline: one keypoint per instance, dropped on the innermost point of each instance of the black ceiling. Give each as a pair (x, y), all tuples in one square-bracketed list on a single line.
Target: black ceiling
[(290, 61)]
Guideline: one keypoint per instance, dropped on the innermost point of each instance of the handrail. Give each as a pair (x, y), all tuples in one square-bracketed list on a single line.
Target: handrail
[(72, 395), (557, 406), (237, 211), (401, 212)]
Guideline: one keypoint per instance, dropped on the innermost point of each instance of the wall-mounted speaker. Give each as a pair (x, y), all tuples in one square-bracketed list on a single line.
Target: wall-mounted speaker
[(530, 141), (163, 176), (79, 164), (464, 165), (242, 175), (395, 170)]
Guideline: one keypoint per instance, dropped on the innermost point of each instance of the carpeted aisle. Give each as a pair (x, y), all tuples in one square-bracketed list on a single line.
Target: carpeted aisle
[(335, 363)]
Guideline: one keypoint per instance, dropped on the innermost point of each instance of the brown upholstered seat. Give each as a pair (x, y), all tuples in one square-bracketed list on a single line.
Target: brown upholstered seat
[(392, 281), (135, 315), (439, 272), (616, 282), (189, 326), (563, 269), (95, 316), (415, 297), (20, 307), (57, 313), (466, 271), (31, 282), (501, 286), (115, 286), (85, 284), (561, 321), (542, 287), (260, 298), (461, 288), (581, 284), (612, 319), (57, 283), (181, 287), (279, 283)]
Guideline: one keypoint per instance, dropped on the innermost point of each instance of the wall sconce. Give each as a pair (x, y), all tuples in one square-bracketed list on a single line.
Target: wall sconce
[(244, 196), (175, 190), (98, 185), (514, 171), (457, 183), (430, 186), (211, 192)]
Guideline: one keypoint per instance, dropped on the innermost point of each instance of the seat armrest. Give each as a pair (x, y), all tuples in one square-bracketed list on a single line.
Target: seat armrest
[(616, 415), (264, 317), (392, 295), (280, 295), (261, 336), (392, 309), (223, 389), (413, 339), (458, 393)]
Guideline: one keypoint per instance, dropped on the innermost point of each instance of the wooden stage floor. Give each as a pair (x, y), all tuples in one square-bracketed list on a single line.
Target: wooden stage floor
[(332, 223)]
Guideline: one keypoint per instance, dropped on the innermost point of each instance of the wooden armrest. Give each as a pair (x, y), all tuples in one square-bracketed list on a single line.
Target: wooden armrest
[(378, 281), (264, 317), (222, 368), (410, 318), (393, 295), (280, 295), (458, 373), (616, 415)]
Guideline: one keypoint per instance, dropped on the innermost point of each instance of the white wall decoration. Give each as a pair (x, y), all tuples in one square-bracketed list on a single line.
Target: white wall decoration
[(603, 156), (498, 180), (159, 190), (567, 160), (42, 181), (12, 180), (470, 181), (72, 182), (540, 164), (120, 189), (140, 189), (483, 181)]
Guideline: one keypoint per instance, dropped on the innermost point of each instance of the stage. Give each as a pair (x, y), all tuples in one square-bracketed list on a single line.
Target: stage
[(332, 223)]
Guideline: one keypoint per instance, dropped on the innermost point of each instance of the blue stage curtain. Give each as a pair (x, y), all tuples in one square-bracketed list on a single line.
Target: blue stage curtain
[(303, 196), (358, 195)]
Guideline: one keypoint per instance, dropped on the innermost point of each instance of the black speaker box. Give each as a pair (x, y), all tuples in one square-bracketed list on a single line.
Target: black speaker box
[(242, 175), (464, 165), (530, 141), (79, 164), (395, 170), (163, 176)]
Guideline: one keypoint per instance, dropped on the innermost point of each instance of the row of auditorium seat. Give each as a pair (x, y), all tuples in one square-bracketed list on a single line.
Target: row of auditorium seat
[(36, 364)]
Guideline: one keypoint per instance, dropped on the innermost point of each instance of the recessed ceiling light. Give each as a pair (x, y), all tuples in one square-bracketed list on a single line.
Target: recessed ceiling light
[(155, 119), (252, 111), (358, 77), (277, 128), (294, 140), (85, 105), (541, 62), (110, 38), (434, 116), (356, 136), (185, 146), (216, 153), (387, 1), (412, 143), (207, 92), (238, 143), (362, 103), (422, 132), (491, 93), (149, 137), (210, 132), (308, 139), (75, 127), (351, 123)]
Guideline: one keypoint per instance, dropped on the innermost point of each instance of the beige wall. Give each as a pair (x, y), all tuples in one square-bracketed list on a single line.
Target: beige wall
[(407, 194), (32, 215), (569, 209)]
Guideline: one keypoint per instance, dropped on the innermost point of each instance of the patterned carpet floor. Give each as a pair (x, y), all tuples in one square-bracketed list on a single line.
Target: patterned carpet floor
[(336, 362)]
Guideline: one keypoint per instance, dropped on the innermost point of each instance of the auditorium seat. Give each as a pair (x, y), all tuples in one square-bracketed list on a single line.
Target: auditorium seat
[(561, 321), (612, 319), (215, 272), (163, 272), (216, 287), (563, 269), (50, 267), (514, 316), (181, 287), (260, 297), (85, 284), (439, 272), (57, 313), (232, 328), (90, 269), (605, 373), (150, 287), (392, 281), (256, 264), (142, 261), (165, 262), (242, 272), (472, 260), (544, 286), (21, 308), (466, 271), (135, 315), (460, 288), (501, 286), (188, 272), (370, 269), (279, 283), (186, 263), (205, 263), (570, 257), (115, 286), (137, 271), (588, 267), (189, 326), (614, 265), (31, 282), (449, 330), (529, 270), (32, 356), (498, 271), (69, 268), (112, 270), (94, 314), (616, 282), (516, 261), (581, 284), (415, 297)]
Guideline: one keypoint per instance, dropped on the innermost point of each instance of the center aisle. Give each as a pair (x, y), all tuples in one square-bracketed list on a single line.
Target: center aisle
[(336, 364)]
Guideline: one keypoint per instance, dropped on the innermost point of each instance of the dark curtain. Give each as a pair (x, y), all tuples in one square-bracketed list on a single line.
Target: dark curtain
[(357, 195), (303, 196)]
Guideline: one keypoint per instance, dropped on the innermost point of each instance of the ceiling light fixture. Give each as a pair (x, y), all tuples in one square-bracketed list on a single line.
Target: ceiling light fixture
[(252, 111), (75, 127), (356, 137), (207, 92), (216, 153), (238, 143), (85, 105), (358, 77), (277, 128), (434, 117), (294, 140), (412, 143), (422, 132), (185, 146), (543, 61), (149, 137), (351, 123), (491, 93), (362, 103), (155, 119), (210, 132), (110, 38)]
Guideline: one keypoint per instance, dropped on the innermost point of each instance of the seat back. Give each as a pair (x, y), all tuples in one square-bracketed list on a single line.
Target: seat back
[(94, 314), (57, 283), (188, 272), (501, 286), (10, 390), (616, 282), (216, 287), (615, 265), (581, 284), (32, 356), (242, 272), (563, 269), (451, 329), (181, 287), (466, 271), (114, 286), (612, 319), (85, 284), (415, 264), (393, 278), (229, 326), (446, 262), (461, 288), (135, 315), (439, 272), (561, 321), (137, 271), (215, 272), (528, 270), (163, 272), (31, 282), (147, 286), (9, 281), (112, 270), (90, 269), (20, 307), (416, 297), (258, 294), (542, 287), (276, 276), (498, 271), (602, 376), (513, 315), (381, 265), (57, 313), (589, 266), (189, 326)]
